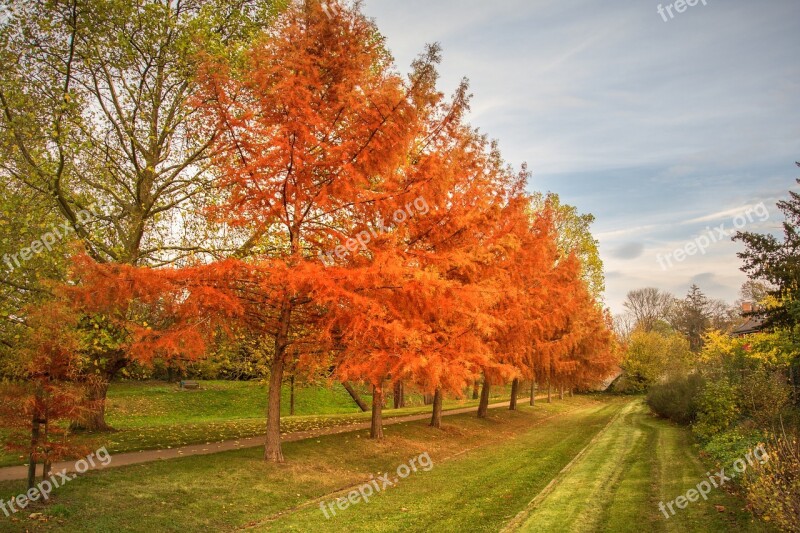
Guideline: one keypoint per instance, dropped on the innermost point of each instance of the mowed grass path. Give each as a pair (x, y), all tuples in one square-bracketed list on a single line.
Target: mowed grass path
[(485, 473), (617, 484)]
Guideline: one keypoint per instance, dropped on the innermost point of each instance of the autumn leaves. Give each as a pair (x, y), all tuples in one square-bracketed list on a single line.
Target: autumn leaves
[(318, 142)]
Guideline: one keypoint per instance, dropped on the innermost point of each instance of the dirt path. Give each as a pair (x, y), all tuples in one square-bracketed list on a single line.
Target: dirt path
[(12, 473)]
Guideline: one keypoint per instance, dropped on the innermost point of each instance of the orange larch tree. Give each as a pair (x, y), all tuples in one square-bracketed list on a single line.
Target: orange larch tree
[(441, 300), (315, 128), (38, 409)]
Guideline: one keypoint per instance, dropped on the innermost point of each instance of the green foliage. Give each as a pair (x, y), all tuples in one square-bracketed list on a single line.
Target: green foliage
[(777, 262), (238, 357), (652, 356), (756, 368), (691, 316), (764, 396), (717, 409), (677, 398), (728, 446), (575, 236)]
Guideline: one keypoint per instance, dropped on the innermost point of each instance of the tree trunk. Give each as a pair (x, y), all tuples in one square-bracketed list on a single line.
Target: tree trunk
[(376, 430), (570, 392), (35, 423), (291, 395), (427, 399), (95, 417), (436, 417), (46, 464), (533, 393), (355, 396), (561, 393), (475, 387), (549, 391), (483, 407), (399, 395), (96, 393), (272, 448), (512, 406)]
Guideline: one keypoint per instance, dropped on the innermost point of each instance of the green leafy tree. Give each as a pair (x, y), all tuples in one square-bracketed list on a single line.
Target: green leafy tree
[(652, 356), (94, 109), (575, 236), (777, 262)]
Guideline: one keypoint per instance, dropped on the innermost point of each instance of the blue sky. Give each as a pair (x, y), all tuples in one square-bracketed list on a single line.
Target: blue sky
[(660, 129)]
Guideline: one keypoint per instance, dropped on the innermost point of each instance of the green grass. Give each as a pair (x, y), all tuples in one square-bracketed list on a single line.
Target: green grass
[(157, 415), (637, 462), (506, 461), (145, 404), (222, 491), (485, 475)]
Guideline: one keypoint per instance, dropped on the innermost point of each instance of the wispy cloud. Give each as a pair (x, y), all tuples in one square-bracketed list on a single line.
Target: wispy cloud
[(654, 128), (638, 230), (722, 215)]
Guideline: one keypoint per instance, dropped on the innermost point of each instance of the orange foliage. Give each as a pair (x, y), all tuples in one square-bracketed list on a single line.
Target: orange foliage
[(49, 397), (319, 142)]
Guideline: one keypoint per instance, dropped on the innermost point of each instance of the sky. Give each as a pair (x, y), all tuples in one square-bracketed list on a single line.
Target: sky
[(673, 131)]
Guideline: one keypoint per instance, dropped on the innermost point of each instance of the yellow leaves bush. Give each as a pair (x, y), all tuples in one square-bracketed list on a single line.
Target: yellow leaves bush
[(775, 492)]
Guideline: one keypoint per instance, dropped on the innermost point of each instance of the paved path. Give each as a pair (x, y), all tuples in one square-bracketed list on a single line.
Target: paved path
[(146, 456)]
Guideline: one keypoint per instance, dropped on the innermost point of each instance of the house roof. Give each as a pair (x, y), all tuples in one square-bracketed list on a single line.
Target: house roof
[(753, 324)]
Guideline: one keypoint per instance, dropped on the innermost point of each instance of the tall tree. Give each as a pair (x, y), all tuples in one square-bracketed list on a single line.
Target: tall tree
[(777, 262), (93, 108), (314, 132), (648, 306), (692, 317)]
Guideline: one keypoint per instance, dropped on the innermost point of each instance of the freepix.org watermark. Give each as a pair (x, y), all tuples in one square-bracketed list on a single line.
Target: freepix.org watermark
[(331, 9), (714, 235), (418, 207), (56, 480), (715, 481), (677, 8), (376, 485), (47, 240)]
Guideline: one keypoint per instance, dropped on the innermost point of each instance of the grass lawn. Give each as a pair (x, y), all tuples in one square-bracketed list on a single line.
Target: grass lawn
[(485, 473), (637, 462), (157, 415)]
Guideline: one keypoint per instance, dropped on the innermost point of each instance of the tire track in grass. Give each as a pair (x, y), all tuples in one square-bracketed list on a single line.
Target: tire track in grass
[(617, 482), (635, 499), (546, 511)]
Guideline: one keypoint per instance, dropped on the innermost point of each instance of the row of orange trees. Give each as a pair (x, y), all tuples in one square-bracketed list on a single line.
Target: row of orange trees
[(372, 230)]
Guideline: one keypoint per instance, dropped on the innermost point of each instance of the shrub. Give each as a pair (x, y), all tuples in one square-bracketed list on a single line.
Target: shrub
[(717, 409), (728, 446), (677, 398), (764, 395), (775, 492), (651, 355)]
